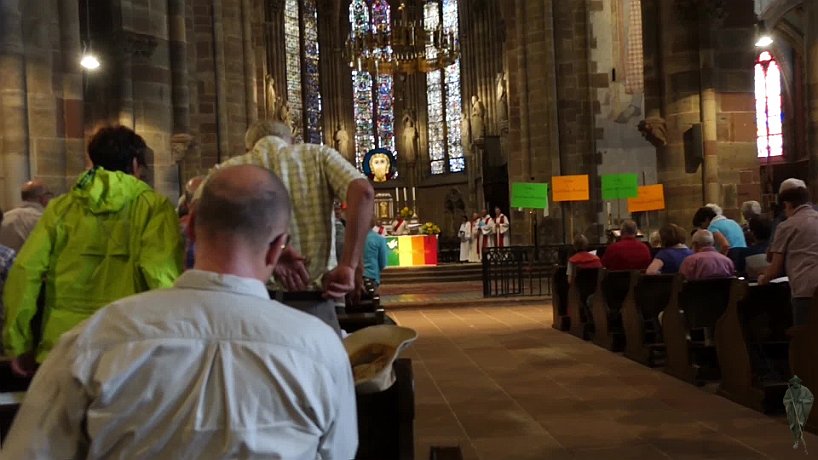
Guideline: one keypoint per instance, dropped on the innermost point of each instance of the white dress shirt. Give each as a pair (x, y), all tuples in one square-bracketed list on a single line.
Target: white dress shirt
[(208, 369), (18, 224)]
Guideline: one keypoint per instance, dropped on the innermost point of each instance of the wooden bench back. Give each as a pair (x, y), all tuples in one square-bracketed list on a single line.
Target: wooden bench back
[(704, 301), (652, 293)]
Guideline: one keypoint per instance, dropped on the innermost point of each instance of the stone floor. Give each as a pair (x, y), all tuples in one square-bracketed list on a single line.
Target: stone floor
[(442, 295), (499, 382)]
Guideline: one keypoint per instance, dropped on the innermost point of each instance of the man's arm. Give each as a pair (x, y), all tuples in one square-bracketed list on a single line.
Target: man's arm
[(773, 270), (23, 287), (49, 422), (359, 198), (340, 441), (721, 242), (161, 251)]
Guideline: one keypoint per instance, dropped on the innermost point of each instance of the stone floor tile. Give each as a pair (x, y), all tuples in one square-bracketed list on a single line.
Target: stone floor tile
[(520, 448)]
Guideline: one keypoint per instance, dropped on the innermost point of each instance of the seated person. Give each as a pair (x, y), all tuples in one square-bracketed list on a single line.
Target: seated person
[(582, 258), (673, 252), (752, 260), (210, 368), (628, 253), (726, 232), (706, 263), (749, 209)]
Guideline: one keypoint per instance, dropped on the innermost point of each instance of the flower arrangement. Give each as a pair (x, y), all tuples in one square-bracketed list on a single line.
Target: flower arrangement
[(429, 228), (406, 212)]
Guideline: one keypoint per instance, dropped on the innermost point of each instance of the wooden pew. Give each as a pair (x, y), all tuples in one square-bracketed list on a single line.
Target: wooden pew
[(688, 324), (559, 299), (367, 312), (386, 419), (583, 286), (804, 357), (12, 389), (643, 335), (755, 324), (611, 289)]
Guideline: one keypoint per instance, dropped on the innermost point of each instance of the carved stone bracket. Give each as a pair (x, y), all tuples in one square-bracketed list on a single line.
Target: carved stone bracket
[(180, 144), (654, 130)]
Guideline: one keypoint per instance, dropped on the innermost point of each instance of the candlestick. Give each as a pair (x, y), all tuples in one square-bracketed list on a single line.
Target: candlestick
[(413, 196), (404, 195), (397, 198)]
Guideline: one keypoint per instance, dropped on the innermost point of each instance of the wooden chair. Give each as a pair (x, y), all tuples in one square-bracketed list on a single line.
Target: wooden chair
[(750, 336), (559, 299), (612, 288), (578, 292), (386, 419), (804, 356), (644, 342), (688, 324)]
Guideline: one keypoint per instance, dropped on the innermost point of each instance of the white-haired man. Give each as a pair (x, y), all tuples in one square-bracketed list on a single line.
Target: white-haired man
[(706, 262)]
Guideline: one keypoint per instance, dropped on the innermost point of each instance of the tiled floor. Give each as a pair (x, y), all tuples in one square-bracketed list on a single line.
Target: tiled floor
[(437, 295), (499, 382)]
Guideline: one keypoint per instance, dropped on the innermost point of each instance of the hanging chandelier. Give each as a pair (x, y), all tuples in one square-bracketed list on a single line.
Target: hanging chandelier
[(406, 45)]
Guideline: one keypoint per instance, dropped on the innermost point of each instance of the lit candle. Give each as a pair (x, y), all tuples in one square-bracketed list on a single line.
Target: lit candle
[(397, 197), (609, 207), (413, 195), (404, 195)]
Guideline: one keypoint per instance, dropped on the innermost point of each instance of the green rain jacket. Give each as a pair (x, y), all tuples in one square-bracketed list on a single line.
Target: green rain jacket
[(110, 237)]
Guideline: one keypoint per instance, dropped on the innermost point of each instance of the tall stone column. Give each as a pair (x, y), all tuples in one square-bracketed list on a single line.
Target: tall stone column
[(811, 45), (708, 108), (13, 107)]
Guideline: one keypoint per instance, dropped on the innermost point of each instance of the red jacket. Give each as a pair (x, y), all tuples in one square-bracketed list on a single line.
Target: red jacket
[(585, 259), (626, 254)]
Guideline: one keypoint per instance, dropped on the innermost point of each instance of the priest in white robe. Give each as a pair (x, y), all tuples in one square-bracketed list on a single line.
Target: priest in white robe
[(476, 238), (502, 228), (487, 229), (400, 227), (465, 239)]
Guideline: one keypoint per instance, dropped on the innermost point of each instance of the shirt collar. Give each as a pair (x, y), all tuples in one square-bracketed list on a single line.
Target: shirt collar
[(707, 249), (211, 281), (32, 205)]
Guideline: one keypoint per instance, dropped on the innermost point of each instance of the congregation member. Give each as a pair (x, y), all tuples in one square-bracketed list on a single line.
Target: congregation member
[(464, 234), (582, 258), (752, 261), (794, 248), (18, 223), (7, 256), (502, 229), (706, 262), (475, 251), (628, 253), (486, 229), (210, 368), (375, 253), (307, 276), (110, 237), (727, 233), (184, 217), (749, 209), (674, 251)]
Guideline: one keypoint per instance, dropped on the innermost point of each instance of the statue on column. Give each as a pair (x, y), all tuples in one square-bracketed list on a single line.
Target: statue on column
[(465, 134), (285, 116), (270, 97), (410, 135), (478, 113), (342, 142), (502, 102)]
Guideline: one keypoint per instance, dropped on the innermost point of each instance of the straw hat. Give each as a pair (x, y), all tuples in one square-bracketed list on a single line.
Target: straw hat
[(378, 346)]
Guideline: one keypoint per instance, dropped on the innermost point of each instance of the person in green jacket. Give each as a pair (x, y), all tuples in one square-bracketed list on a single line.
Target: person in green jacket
[(110, 237)]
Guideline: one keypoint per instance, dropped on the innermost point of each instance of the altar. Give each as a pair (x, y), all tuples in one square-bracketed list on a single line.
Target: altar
[(411, 250)]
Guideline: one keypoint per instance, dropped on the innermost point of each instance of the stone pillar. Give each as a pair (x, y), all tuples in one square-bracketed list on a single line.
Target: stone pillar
[(250, 95), (708, 107), (13, 106), (811, 45), (72, 92), (177, 45)]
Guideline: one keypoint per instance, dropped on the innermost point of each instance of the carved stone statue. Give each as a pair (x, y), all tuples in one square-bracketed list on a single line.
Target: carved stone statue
[(285, 116), (270, 97), (342, 142), (478, 113), (465, 134), (410, 136), (502, 102), (654, 130)]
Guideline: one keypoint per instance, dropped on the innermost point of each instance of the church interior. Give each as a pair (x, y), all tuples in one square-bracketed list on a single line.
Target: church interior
[(452, 107)]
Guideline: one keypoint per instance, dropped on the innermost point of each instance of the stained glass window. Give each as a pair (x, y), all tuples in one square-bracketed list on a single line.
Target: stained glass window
[(769, 117), (303, 77), (444, 101), (374, 96)]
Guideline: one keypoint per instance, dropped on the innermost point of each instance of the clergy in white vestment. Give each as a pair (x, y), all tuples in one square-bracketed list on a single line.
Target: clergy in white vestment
[(465, 239), (476, 238), (486, 231), (400, 227), (379, 229), (502, 227)]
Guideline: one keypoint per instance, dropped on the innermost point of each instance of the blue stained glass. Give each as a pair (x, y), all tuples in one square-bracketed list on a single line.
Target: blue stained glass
[(312, 76), (292, 41)]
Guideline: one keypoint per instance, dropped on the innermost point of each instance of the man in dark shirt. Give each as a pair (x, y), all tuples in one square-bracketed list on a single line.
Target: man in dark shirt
[(628, 253)]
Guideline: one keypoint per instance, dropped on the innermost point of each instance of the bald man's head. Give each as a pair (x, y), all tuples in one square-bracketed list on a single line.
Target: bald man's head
[(243, 202), (35, 191)]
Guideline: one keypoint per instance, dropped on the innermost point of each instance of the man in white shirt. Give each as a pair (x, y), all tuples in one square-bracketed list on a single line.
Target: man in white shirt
[(502, 228), (20, 221), (208, 369)]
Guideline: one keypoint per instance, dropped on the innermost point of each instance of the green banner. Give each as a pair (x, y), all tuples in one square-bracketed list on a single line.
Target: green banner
[(619, 186), (392, 255), (529, 195)]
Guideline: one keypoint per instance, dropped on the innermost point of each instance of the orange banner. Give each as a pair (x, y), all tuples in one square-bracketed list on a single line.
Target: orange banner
[(570, 188), (649, 198)]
